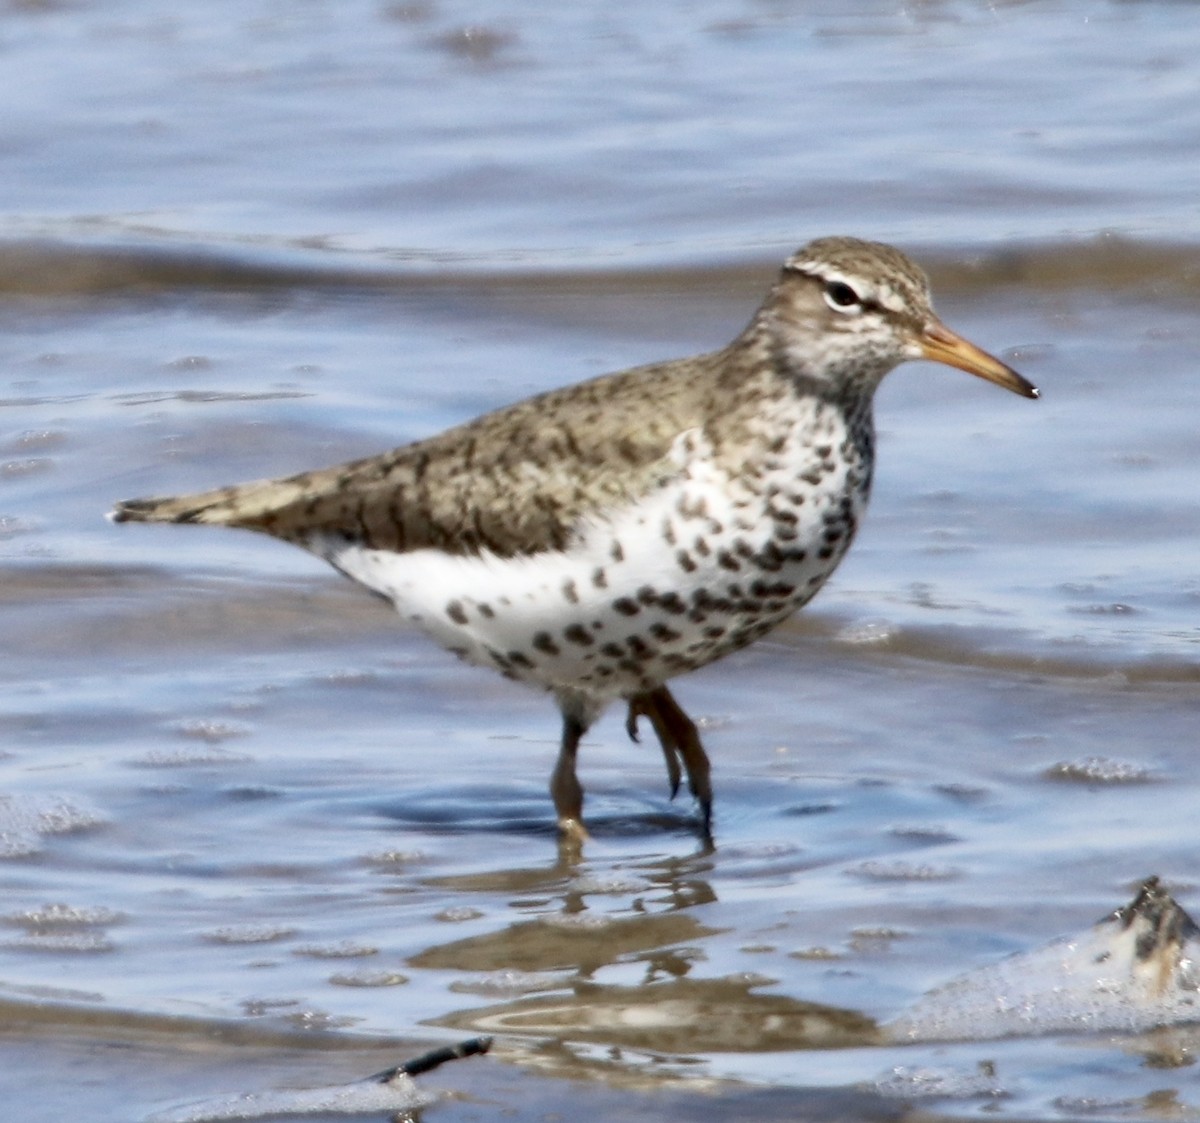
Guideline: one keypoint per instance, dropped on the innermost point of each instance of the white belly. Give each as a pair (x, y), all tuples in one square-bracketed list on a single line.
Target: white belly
[(697, 569)]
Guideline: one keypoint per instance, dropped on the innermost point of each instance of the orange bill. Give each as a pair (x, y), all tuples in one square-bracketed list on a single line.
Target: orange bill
[(940, 344)]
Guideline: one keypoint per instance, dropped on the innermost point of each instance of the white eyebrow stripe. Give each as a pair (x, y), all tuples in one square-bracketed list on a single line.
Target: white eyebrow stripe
[(885, 297)]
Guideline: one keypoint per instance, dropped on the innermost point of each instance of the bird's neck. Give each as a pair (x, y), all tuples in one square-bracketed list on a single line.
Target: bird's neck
[(850, 385)]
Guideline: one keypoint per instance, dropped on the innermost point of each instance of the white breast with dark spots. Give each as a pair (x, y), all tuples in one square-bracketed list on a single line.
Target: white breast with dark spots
[(695, 570)]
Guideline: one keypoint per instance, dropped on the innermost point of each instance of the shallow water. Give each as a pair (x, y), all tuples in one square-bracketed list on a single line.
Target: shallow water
[(254, 833)]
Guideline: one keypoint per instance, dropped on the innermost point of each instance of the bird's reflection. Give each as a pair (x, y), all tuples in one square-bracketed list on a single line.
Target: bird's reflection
[(585, 928)]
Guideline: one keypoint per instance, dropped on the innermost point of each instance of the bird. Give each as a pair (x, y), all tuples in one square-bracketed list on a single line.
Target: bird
[(597, 540)]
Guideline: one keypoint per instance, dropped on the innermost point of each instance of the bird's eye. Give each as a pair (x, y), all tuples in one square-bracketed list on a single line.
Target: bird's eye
[(841, 297)]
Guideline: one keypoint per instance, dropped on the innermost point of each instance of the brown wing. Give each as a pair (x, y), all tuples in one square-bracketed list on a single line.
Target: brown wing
[(515, 481)]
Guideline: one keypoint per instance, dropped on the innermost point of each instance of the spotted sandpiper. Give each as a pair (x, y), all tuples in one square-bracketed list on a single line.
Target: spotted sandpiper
[(598, 540)]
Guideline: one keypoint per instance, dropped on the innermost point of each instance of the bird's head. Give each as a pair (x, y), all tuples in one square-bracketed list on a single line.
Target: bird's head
[(846, 311)]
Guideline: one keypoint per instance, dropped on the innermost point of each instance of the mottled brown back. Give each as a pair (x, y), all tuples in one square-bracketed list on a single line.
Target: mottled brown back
[(514, 481)]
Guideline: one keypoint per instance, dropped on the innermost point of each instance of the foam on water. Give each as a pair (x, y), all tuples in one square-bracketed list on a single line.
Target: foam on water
[(397, 1096), (26, 821), (1135, 970)]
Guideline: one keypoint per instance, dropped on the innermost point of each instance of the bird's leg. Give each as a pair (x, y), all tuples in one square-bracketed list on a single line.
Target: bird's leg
[(680, 740), (640, 707), (565, 788)]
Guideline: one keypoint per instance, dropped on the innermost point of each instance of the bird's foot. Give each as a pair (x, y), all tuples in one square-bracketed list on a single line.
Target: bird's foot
[(671, 755), (572, 832), (706, 821), (681, 747), (572, 835)]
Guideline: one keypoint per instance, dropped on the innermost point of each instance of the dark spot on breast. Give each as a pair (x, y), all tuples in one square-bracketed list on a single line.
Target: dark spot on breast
[(519, 659), (770, 559), (616, 552), (542, 641), (638, 646), (570, 592), (701, 547), (794, 555), (664, 633), (668, 532), (599, 578), (696, 510), (456, 612), (486, 610), (743, 548), (612, 650), (714, 631), (577, 633), (825, 552), (685, 562), (727, 561), (626, 607), (647, 594), (672, 603)]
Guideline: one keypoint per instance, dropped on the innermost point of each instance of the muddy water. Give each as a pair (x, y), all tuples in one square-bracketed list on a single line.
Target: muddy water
[(255, 834)]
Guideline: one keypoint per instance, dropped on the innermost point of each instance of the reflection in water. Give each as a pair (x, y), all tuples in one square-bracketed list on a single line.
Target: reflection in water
[(680, 1017), (666, 1011), (572, 936), (581, 943), (1133, 971)]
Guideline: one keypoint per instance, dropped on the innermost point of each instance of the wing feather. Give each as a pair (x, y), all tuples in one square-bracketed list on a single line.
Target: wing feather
[(516, 481)]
